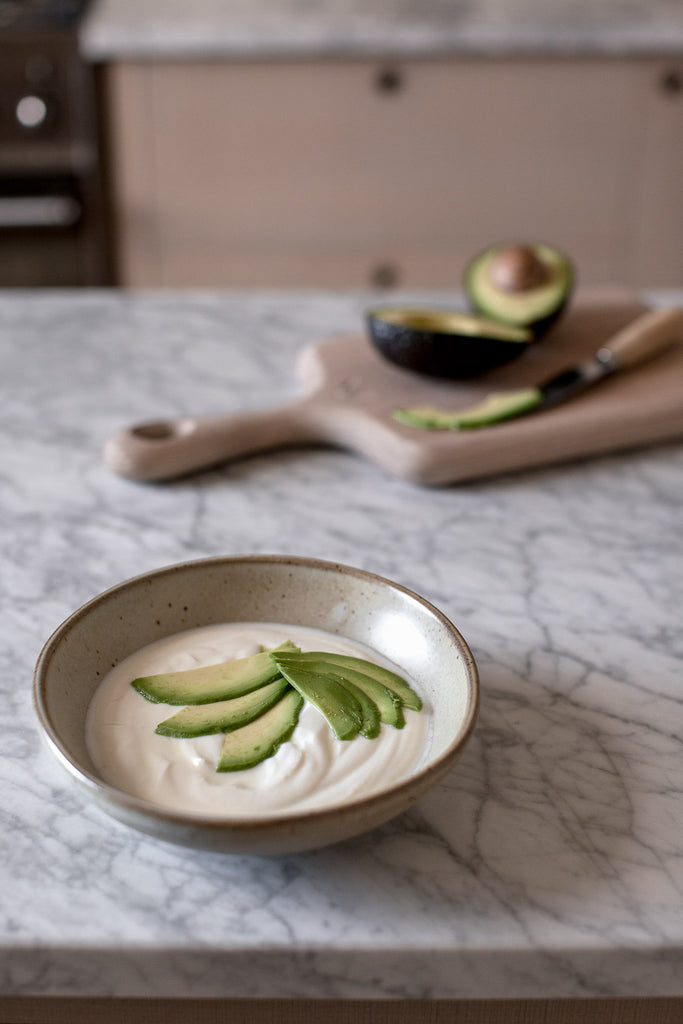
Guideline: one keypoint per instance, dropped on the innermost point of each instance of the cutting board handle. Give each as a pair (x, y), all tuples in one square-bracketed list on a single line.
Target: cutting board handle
[(165, 449), (644, 337)]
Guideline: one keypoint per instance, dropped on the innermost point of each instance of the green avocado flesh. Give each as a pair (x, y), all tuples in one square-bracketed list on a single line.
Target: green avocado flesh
[(370, 723), (455, 324), (212, 683), (342, 711), (223, 715), (390, 681), (388, 703), (260, 739), (495, 408), (527, 307), (255, 701)]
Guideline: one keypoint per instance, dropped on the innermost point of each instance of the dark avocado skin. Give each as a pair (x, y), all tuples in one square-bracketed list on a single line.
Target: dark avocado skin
[(540, 327), (456, 356), (537, 327)]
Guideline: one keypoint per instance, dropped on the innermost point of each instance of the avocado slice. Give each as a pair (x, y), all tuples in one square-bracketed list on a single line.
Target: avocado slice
[(391, 681), (370, 725), (388, 704), (389, 707), (442, 343), (211, 683), (520, 285), (495, 408), (394, 682), (261, 738), (341, 709), (223, 715)]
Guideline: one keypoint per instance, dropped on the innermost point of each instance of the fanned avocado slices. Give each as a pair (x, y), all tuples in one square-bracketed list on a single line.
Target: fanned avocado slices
[(391, 680), (223, 715), (335, 703), (260, 739), (256, 701), (389, 704), (212, 682)]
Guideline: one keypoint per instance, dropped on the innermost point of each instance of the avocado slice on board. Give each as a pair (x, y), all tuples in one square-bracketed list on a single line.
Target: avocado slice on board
[(223, 715), (520, 285), (389, 704), (212, 682), (495, 408), (260, 739)]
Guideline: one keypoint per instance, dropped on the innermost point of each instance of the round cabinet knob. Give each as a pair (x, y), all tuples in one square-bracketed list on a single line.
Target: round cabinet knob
[(671, 82), (389, 80), (31, 111), (385, 275)]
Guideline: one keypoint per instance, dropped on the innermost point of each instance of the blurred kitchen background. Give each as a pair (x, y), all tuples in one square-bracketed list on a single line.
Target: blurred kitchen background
[(339, 144)]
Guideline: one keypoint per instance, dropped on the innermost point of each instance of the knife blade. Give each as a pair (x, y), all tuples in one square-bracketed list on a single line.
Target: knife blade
[(640, 340)]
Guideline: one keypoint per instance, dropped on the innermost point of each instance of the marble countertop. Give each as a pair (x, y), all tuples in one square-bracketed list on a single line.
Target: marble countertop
[(549, 861), (121, 29)]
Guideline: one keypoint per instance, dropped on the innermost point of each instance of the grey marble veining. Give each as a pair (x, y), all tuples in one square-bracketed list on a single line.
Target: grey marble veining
[(119, 29), (549, 861)]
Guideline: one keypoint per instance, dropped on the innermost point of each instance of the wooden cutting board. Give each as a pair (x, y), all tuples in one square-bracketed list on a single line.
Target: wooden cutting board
[(351, 391)]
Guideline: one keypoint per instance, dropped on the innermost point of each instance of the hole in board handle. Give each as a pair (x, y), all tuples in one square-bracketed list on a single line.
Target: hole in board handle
[(163, 430)]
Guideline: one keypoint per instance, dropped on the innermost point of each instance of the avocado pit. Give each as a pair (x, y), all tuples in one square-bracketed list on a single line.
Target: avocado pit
[(517, 269)]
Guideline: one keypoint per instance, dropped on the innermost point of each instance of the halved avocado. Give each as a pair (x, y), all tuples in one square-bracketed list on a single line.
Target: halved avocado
[(520, 285), (440, 343)]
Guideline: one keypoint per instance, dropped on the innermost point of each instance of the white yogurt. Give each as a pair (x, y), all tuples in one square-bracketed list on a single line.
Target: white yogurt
[(313, 769)]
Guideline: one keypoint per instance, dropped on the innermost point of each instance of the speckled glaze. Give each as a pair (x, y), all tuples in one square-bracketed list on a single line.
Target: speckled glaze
[(307, 592)]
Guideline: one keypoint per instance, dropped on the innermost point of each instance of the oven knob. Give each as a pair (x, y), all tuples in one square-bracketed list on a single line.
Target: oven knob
[(31, 111)]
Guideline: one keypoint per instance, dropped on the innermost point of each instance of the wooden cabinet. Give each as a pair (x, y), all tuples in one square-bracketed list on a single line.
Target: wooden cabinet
[(359, 173)]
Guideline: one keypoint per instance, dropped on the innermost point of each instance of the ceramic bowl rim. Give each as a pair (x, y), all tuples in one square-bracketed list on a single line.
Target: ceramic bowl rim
[(215, 823)]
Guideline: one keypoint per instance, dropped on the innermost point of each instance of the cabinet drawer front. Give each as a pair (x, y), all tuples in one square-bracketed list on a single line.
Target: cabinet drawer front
[(320, 173)]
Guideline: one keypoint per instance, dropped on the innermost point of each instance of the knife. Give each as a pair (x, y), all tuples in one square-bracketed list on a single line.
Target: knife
[(638, 341)]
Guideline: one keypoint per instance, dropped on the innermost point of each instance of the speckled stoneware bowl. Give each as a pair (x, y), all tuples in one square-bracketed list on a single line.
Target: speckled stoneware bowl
[(349, 602)]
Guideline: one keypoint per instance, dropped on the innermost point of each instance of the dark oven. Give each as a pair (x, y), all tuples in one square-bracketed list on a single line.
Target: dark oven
[(52, 208)]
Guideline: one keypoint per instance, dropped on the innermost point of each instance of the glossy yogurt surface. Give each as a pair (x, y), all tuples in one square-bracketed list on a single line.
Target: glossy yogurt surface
[(313, 769)]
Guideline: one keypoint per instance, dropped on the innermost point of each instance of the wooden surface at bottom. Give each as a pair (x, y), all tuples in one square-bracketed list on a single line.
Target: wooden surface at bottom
[(25, 1010)]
